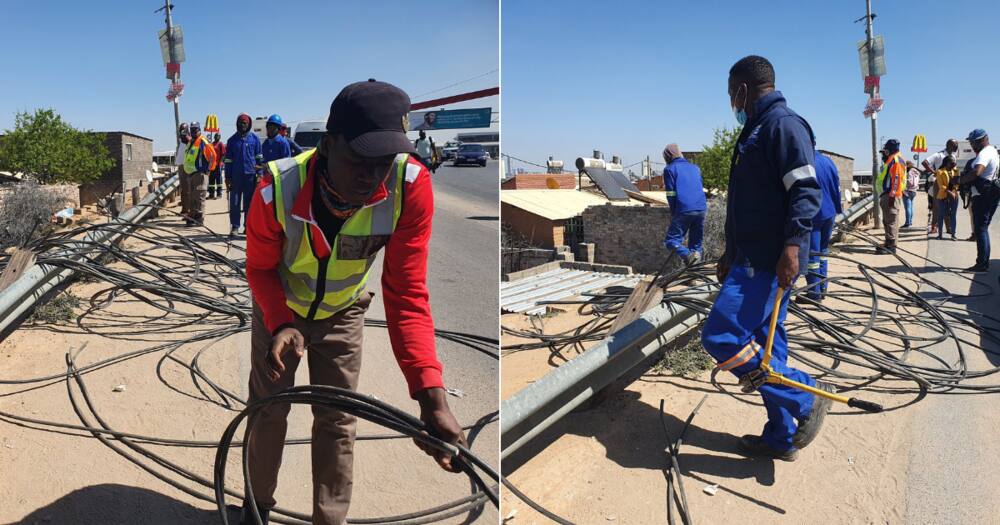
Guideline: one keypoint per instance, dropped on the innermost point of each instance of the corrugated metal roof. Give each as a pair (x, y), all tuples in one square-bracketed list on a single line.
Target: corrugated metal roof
[(523, 296), (557, 204)]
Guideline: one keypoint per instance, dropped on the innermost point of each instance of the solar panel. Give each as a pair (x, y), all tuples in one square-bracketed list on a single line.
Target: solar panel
[(623, 181), (607, 183)]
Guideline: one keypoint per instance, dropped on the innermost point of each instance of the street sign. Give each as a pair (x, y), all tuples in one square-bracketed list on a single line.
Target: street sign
[(878, 55), (873, 106), (178, 51), (919, 144), (175, 91), (871, 83), (451, 119), (173, 70)]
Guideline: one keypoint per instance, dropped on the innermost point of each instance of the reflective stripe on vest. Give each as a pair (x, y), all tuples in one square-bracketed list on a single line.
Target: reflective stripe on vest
[(191, 155), (366, 231)]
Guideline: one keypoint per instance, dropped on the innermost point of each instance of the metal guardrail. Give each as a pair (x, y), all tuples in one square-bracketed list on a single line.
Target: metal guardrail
[(22, 294), (544, 402)]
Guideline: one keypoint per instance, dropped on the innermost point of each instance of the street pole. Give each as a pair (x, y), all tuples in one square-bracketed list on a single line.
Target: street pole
[(177, 75), (874, 93)]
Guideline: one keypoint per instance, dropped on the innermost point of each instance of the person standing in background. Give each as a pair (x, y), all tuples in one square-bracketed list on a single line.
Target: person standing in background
[(276, 146), (910, 193), (947, 197), (686, 197), (199, 161), (215, 179), (892, 181), (985, 194), (822, 227), (243, 163), (183, 180), (425, 150)]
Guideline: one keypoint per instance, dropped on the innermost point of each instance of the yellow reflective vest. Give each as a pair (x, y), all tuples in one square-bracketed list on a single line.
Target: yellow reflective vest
[(318, 288)]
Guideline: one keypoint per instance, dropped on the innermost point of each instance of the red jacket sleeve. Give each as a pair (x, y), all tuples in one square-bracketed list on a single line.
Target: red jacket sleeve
[(264, 246), (404, 287)]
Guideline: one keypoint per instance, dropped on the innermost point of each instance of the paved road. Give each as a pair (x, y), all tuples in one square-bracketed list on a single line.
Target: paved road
[(955, 453)]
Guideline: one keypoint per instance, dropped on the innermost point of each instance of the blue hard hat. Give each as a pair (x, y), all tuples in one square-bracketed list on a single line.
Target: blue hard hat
[(976, 134), (275, 119)]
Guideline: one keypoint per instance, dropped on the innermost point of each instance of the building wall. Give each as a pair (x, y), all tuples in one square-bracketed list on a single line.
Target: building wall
[(539, 231), (655, 183), (627, 235), (633, 235), (539, 181), (845, 167), (125, 174)]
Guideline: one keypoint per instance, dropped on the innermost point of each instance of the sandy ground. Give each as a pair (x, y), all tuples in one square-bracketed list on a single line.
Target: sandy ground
[(62, 477), (605, 465)]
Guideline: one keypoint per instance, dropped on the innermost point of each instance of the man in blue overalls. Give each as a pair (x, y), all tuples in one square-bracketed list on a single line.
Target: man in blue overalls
[(773, 196), (686, 196), (822, 227)]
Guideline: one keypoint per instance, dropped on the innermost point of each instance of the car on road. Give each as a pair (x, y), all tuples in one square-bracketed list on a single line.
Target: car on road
[(471, 154), (308, 133), (450, 149)]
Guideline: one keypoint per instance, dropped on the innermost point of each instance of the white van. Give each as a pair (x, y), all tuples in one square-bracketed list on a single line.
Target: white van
[(260, 128), (308, 133)]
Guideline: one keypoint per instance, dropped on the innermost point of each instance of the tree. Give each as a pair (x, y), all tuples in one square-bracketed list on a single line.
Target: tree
[(47, 148), (714, 160)]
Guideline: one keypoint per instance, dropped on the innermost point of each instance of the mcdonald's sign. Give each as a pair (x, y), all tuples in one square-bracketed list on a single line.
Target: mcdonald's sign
[(919, 144), (212, 124)]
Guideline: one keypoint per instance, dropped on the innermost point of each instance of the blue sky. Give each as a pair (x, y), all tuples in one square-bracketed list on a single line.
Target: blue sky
[(578, 76), (98, 63)]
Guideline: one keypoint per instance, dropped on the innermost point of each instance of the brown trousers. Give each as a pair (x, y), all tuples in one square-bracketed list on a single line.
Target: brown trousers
[(197, 192), (185, 185), (890, 218), (333, 347)]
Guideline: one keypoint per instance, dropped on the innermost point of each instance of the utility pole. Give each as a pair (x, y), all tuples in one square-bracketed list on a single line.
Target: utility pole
[(872, 96), (177, 75)]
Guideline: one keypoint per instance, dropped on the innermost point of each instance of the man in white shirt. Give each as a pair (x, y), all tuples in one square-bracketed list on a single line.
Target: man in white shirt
[(425, 148), (985, 194), (933, 162)]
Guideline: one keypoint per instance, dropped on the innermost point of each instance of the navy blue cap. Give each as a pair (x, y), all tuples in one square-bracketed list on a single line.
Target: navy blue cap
[(977, 134), (892, 145), (374, 117)]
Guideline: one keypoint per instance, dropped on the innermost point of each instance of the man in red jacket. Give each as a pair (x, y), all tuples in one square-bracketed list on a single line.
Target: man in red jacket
[(315, 226)]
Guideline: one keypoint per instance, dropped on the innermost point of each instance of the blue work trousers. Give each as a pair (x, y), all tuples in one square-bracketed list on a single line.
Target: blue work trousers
[(735, 334), (983, 208), (240, 193), (819, 251), (690, 225)]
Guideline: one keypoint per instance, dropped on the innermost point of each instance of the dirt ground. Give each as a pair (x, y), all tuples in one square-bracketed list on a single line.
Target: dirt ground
[(605, 465), (65, 477)]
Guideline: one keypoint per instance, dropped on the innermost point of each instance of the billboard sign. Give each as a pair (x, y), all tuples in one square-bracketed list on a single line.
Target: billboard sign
[(450, 119)]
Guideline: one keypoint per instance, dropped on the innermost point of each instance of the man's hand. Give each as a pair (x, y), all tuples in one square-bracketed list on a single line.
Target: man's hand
[(289, 338), (434, 412), (788, 266)]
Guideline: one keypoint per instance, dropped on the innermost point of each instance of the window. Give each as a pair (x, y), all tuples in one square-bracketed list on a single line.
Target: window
[(128, 151)]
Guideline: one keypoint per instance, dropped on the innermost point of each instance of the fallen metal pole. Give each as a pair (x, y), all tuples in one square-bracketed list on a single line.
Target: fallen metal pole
[(23, 293), (542, 403)]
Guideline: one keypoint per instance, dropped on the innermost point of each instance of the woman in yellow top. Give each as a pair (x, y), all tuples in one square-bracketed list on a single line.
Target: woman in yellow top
[(947, 197)]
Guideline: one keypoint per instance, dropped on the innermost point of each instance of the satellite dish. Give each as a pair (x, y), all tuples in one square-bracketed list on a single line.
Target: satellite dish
[(552, 183), (149, 176)]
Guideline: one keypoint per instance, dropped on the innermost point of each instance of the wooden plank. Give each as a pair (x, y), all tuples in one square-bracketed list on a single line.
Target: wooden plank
[(643, 298), (20, 262)]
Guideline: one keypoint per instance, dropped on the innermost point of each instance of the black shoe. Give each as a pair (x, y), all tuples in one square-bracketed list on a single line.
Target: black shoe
[(977, 268), (883, 250), (246, 515), (754, 446), (939, 237), (809, 427), (971, 238), (807, 299), (188, 222)]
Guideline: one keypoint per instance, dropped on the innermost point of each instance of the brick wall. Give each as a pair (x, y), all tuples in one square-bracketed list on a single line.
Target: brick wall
[(633, 235), (539, 181), (537, 231), (845, 167), (125, 174)]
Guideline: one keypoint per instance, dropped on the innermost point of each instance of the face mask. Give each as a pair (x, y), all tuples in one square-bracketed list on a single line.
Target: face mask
[(740, 113)]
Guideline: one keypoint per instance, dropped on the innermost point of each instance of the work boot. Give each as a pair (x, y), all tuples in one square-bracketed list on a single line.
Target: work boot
[(754, 446), (692, 258), (233, 232), (810, 425), (246, 515)]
